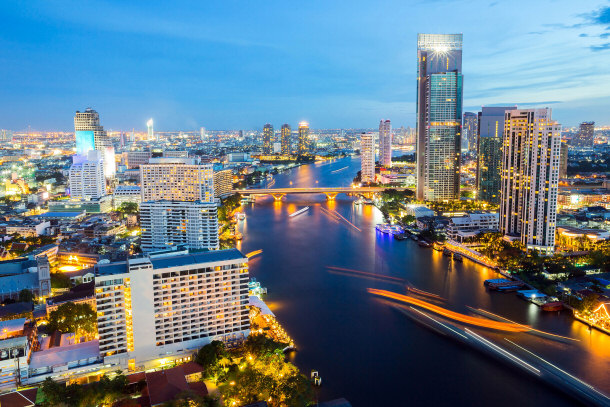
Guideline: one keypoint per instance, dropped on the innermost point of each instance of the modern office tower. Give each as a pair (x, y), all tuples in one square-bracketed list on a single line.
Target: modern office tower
[(303, 139), (87, 128), (586, 135), (367, 157), (385, 143), (167, 224), (439, 116), (132, 137), (563, 160), (469, 130), (267, 139), (176, 179), (87, 176), (223, 183), (285, 139), (123, 140), (156, 309), (490, 130), (530, 175), (151, 131)]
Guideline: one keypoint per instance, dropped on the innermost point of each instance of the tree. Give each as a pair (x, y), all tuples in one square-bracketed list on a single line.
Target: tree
[(128, 208), (257, 344), (210, 354), (60, 280), (26, 295), (77, 318)]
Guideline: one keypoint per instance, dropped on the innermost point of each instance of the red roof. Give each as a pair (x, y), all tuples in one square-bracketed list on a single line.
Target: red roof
[(23, 398), (165, 385)]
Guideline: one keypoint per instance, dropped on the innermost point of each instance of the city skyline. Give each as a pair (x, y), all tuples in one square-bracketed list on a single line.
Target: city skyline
[(147, 66)]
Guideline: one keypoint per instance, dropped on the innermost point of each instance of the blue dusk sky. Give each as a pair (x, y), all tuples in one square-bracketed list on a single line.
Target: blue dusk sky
[(239, 64)]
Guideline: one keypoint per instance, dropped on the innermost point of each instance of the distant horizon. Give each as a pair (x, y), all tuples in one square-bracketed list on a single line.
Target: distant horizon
[(240, 65)]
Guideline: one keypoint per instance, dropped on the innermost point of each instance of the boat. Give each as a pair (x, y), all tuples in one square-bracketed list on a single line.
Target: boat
[(457, 257), (438, 246), (552, 306), (423, 243), (240, 216), (300, 211), (383, 228), (400, 236), (446, 252)]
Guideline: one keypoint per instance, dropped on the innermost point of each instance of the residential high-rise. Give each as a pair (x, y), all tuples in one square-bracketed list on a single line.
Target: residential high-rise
[(563, 160), (530, 177), (151, 131), (165, 224), (176, 179), (285, 139), (154, 310), (267, 139), (87, 176), (490, 129), (469, 130), (439, 116), (303, 139), (223, 183), (367, 157), (385, 143), (586, 135)]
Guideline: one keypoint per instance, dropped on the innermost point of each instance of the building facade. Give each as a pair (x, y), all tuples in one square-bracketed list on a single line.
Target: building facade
[(530, 177), (223, 183), (87, 127), (303, 139), (155, 309), (285, 137), (176, 179), (470, 130), (439, 116), (563, 160), (490, 129), (586, 135), (86, 176), (461, 227), (367, 157), (267, 139), (166, 224), (385, 143)]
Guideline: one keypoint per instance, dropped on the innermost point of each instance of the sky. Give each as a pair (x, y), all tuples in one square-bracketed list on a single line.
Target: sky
[(337, 64)]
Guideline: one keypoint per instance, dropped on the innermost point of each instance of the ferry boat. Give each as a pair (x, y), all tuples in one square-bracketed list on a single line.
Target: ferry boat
[(552, 306), (423, 243), (300, 211), (240, 216), (447, 252), (438, 246), (384, 228)]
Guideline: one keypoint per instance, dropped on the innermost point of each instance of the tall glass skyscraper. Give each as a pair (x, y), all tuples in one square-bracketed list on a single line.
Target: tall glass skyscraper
[(439, 116), (489, 152), (285, 139), (303, 140), (267, 139)]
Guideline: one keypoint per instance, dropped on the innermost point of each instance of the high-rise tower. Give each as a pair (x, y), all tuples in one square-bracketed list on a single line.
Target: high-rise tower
[(285, 139), (90, 135), (530, 177), (586, 135), (469, 130), (267, 139), (367, 157), (385, 143), (439, 116), (490, 130), (303, 138), (151, 131)]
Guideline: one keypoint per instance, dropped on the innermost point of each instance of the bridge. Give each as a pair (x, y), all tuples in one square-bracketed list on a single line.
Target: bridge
[(330, 192)]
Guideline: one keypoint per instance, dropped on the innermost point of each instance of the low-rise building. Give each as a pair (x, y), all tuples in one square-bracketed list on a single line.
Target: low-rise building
[(419, 211), (17, 338), (126, 193), (463, 227)]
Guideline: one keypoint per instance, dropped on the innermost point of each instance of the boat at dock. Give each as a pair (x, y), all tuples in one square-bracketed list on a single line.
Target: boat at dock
[(439, 247), (503, 284), (384, 228), (240, 216), (400, 236), (447, 252), (300, 211), (423, 243), (457, 257), (552, 306)]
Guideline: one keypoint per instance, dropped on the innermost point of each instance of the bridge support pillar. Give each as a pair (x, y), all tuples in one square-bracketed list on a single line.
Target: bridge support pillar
[(278, 197), (331, 195)]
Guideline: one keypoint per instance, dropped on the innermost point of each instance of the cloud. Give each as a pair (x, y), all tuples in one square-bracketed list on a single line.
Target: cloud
[(602, 47), (600, 16)]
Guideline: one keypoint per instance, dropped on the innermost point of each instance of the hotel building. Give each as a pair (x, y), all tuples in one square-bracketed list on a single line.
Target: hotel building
[(367, 157), (177, 179), (385, 143)]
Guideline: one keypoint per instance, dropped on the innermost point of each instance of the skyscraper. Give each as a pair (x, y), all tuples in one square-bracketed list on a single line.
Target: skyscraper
[(530, 176), (367, 157), (469, 130), (151, 131), (167, 224), (176, 179), (285, 139), (586, 135), (88, 130), (385, 143), (86, 176), (439, 116), (563, 160), (490, 129), (303, 139), (267, 139)]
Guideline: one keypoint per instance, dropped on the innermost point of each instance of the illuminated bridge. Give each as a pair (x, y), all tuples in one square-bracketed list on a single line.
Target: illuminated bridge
[(330, 192)]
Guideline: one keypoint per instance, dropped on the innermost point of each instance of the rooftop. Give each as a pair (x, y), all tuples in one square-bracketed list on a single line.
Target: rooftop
[(62, 355)]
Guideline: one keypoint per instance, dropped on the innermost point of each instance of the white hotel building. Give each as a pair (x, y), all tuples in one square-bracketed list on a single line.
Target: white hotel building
[(530, 177), (156, 309), (176, 179), (367, 157)]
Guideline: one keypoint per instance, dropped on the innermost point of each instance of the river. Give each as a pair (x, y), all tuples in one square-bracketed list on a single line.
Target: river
[(365, 350)]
